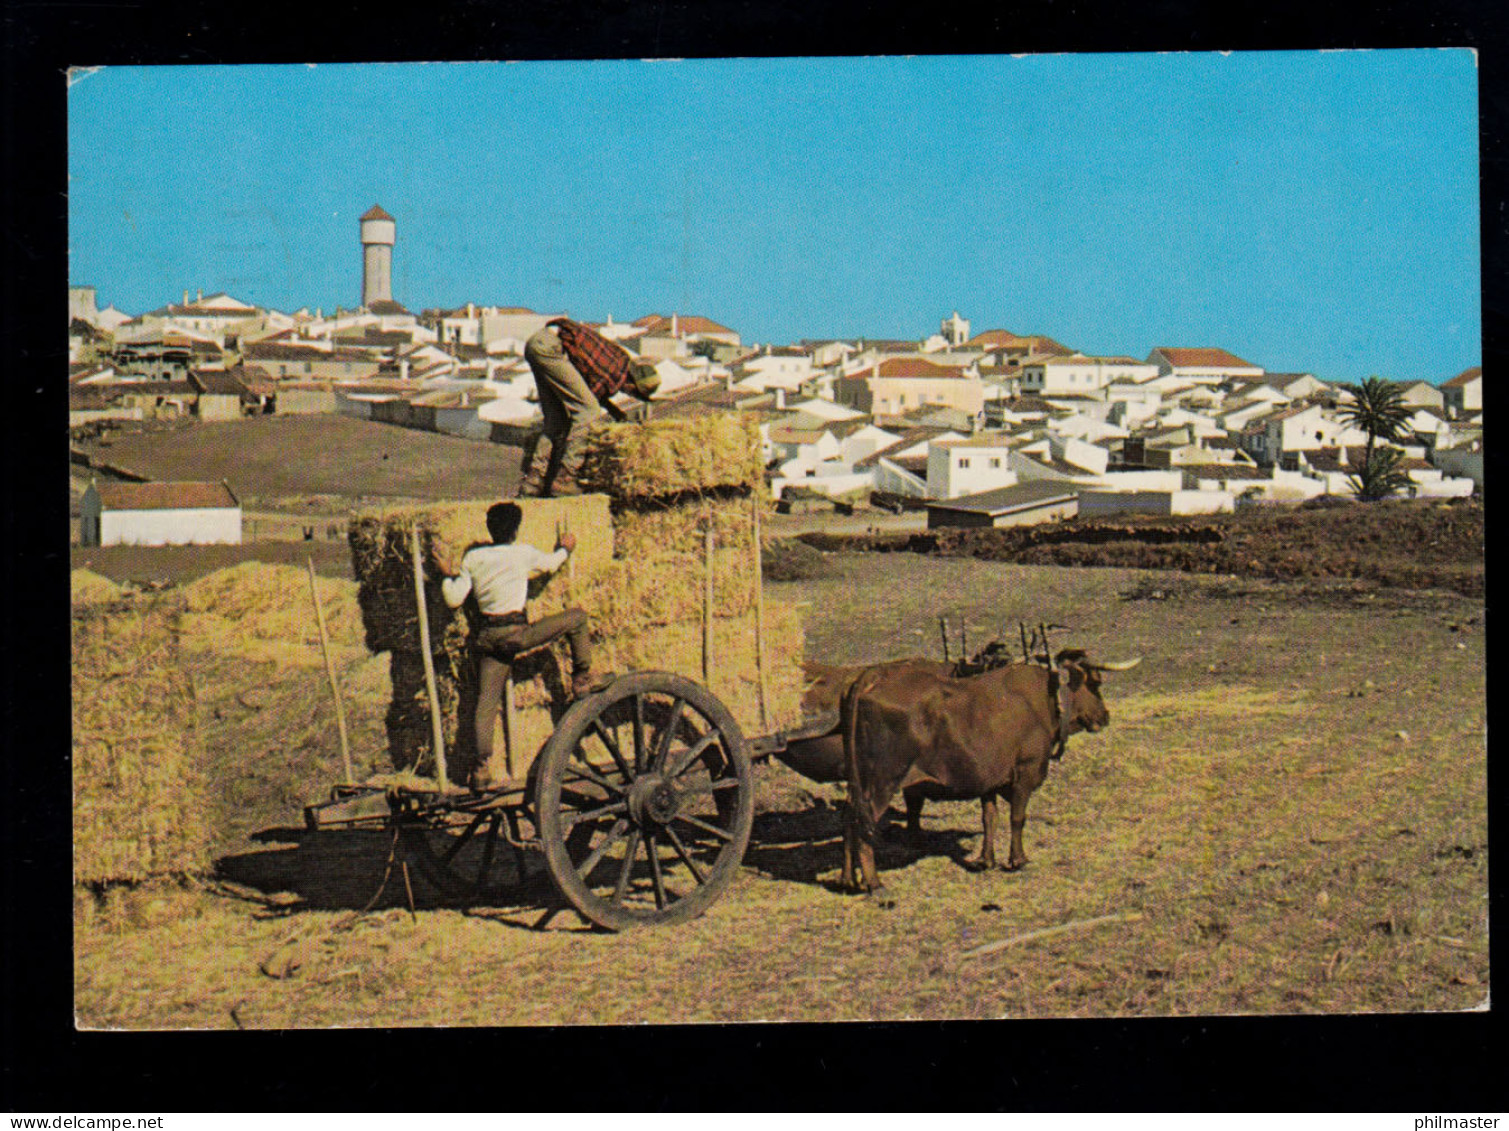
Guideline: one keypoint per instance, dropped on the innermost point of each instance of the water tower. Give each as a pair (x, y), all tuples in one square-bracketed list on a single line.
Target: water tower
[(378, 232)]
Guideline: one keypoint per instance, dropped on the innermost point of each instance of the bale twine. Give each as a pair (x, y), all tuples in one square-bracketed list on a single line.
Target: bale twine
[(140, 803)]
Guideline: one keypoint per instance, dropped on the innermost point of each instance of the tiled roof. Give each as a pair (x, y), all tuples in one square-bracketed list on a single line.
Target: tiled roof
[(163, 496), (386, 306), (998, 338), (1463, 378), (217, 383), (909, 438), (1201, 356), (1225, 470), (908, 367), (685, 324), (375, 213)]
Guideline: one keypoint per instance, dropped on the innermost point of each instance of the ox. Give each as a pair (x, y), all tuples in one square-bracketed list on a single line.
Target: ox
[(936, 736), (821, 758)]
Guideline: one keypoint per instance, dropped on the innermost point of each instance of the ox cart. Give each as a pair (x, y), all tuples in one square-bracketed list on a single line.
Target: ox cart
[(641, 802)]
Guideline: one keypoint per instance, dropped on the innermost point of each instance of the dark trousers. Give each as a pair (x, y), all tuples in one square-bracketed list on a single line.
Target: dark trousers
[(497, 645)]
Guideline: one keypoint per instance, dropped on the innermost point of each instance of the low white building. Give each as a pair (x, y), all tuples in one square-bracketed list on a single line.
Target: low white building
[(1094, 504), (159, 514), (968, 467), (1080, 373), (1203, 365)]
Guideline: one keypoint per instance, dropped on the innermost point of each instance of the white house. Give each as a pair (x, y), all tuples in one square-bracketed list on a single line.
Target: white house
[(159, 514), (785, 368), (1204, 365), (1463, 394), (968, 467), (1079, 373), (1297, 428)]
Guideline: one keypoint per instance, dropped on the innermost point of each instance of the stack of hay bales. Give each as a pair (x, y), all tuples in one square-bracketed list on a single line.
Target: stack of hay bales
[(638, 571), (140, 804)]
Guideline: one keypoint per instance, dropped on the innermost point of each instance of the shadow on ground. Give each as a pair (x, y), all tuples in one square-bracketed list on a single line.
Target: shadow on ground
[(807, 846), (344, 869)]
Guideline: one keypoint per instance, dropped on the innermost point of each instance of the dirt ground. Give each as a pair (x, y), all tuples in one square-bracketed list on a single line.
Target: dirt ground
[(1287, 814), (1420, 544), (339, 456)]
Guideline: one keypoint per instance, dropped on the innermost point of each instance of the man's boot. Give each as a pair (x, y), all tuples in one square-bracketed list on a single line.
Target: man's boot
[(585, 683), (532, 468)]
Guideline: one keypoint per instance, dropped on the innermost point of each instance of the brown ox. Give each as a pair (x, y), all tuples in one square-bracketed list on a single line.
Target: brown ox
[(940, 737), (821, 759)]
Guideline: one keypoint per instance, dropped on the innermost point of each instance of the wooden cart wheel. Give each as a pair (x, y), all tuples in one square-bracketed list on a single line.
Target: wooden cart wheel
[(463, 855), (644, 801)]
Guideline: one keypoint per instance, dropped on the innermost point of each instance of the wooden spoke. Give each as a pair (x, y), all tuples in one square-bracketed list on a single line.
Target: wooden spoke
[(571, 821), (684, 760), (639, 741), (588, 812), (711, 786), (620, 827), (620, 889), (579, 799), (686, 857), (698, 823), (664, 746), (653, 852), (611, 744), (586, 773)]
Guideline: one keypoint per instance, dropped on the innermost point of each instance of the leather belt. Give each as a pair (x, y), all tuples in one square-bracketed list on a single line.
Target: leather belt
[(495, 619)]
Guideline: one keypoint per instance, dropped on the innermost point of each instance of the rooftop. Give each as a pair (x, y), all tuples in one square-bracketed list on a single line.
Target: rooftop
[(163, 496), (1197, 357)]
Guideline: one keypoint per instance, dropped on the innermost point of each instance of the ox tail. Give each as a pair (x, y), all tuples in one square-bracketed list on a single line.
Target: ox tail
[(856, 766)]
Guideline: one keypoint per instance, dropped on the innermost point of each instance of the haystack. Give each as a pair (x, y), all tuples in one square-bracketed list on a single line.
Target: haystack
[(639, 573), (139, 801), (263, 611), (86, 587)]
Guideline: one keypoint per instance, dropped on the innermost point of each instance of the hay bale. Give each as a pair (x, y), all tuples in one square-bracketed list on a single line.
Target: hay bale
[(89, 588), (659, 458), (139, 800), (262, 611)]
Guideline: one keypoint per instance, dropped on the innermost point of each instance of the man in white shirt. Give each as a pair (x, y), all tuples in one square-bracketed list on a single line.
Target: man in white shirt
[(498, 576)]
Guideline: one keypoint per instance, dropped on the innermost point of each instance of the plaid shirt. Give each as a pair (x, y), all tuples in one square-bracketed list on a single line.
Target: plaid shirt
[(604, 365)]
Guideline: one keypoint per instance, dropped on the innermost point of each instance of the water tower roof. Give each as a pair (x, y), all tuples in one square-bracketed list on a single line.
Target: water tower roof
[(375, 213)]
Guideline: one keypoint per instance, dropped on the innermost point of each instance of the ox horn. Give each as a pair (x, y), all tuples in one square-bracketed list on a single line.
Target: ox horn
[(1118, 665)]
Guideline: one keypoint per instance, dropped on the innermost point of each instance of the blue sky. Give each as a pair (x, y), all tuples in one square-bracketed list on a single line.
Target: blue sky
[(1307, 210)]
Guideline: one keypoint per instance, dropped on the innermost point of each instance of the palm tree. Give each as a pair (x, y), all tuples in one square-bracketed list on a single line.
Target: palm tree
[(1379, 476), (1377, 408)]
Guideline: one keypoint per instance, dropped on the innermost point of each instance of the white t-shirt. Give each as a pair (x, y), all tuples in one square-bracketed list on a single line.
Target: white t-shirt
[(499, 575)]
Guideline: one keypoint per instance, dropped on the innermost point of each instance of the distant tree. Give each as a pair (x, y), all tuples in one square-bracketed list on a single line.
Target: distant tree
[(1379, 475), (705, 347), (1377, 408)]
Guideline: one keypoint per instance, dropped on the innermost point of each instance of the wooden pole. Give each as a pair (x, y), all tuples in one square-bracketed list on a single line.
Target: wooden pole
[(510, 727), (437, 731), (335, 687), (943, 632), (759, 584), (707, 605)]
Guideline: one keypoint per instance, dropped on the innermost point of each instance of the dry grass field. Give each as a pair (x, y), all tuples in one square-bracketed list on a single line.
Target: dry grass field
[(1287, 814)]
